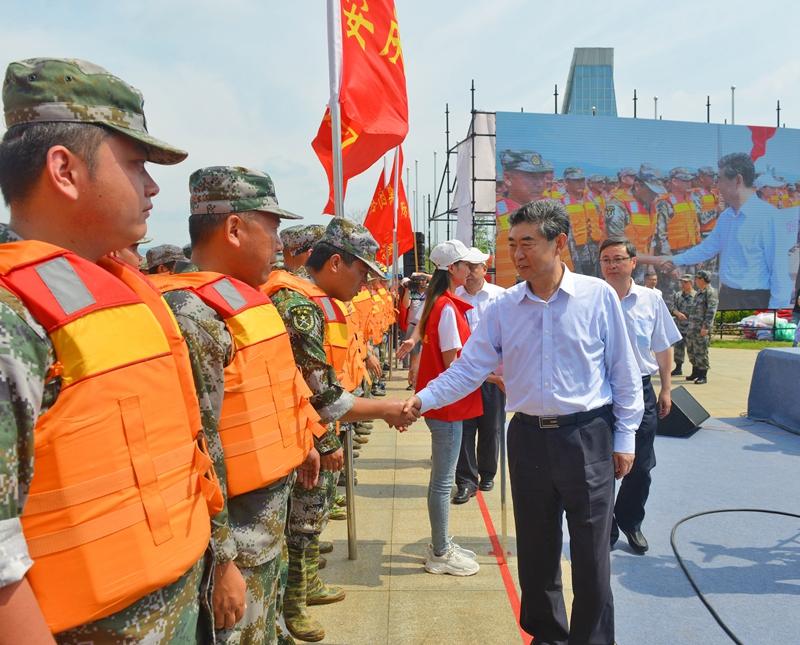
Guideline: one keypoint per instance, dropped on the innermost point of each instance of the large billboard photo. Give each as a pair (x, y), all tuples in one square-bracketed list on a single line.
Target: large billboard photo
[(661, 185)]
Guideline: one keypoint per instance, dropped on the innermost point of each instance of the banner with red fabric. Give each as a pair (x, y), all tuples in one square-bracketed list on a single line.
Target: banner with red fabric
[(372, 90), (380, 216)]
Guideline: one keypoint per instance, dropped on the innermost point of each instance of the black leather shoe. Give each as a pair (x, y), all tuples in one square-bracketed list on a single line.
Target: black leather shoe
[(463, 495), (637, 540), (486, 485), (678, 371), (614, 534)]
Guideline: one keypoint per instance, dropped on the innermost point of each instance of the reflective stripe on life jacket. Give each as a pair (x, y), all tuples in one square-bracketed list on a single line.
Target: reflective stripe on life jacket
[(123, 490), (266, 423)]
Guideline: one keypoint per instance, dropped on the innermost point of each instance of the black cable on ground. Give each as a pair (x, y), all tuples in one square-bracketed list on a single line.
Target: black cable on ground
[(699, 593)]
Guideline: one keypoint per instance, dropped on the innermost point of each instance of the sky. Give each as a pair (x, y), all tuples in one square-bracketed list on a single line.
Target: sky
[(245, 82)]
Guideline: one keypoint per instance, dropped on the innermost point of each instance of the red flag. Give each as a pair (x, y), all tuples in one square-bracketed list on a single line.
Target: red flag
[(380, 217), (760, 134), (372, 91)]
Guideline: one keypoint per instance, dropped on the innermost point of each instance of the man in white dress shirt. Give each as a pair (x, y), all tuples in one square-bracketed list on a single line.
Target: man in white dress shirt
[(482, 462), (572, 380), (652, 333)]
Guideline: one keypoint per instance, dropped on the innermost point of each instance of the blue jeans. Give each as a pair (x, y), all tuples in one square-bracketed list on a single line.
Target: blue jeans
[(445, 446)]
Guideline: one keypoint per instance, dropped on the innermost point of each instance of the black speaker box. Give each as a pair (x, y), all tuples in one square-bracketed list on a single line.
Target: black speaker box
[(685, 417), (408, 266)]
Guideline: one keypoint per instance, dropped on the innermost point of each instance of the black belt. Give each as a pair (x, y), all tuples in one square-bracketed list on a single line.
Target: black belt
[(553, 422)]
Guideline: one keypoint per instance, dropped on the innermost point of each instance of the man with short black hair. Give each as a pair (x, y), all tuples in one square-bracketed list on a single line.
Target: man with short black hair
[(652, 334), (481, 460), (121, 418), (751, 238), (573, 382)]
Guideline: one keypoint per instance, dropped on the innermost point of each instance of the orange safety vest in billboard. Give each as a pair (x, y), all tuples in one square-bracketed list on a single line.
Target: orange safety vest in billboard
[(584, 220), (683, 229), (335, 343), (642, 224), (266, 423), (709, 203), (123, 490)]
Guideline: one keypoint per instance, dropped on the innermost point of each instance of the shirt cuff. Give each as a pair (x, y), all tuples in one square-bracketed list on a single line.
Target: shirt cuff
[(14, 557), (427, 400), (327, 443), (624, 442)]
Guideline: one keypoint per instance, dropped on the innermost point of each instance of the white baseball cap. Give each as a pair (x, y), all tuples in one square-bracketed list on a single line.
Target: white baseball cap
[(476, 256), (449, 252)]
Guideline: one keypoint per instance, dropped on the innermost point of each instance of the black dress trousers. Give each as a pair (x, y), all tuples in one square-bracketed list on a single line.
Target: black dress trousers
[(566, 469)]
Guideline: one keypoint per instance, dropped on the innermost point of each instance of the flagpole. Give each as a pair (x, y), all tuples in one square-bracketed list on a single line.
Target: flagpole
[(334, 78), (395, 206)]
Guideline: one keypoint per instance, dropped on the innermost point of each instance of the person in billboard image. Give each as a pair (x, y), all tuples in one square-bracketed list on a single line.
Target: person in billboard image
[(752, 240), (586, 231), (525, 177), (631, 213)]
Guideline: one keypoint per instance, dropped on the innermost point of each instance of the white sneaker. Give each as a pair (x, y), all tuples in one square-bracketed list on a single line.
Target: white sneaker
[(452, 562), (465, 552)]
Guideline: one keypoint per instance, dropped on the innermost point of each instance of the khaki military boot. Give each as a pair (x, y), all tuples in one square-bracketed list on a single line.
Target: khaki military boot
[(339, 500), (338, 513), (318, 592), (360, 440), (325, 546), (295, 612)]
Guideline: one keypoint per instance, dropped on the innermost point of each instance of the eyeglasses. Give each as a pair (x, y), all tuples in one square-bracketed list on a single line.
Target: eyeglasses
[(617, 260)]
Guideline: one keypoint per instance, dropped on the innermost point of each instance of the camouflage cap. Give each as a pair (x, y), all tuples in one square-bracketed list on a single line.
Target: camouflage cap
[(687, 277), (346, 235), (707, 170), (597, 178), (233, 189), (573, 173), (301, 238), (626, 172), (163, 254), (703, 275), (524, 161), (46, 90), (681, 173), (651, 177)]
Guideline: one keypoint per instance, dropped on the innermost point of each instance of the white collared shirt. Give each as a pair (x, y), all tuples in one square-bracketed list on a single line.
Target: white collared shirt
[(569, 354), (650, 326), (479, 301)]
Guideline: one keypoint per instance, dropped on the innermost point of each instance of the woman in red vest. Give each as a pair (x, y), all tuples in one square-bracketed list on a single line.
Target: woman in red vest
[(445, 329)]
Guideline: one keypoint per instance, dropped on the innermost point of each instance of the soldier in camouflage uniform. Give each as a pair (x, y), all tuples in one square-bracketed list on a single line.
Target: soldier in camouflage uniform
[(50, 102), (163, 258), (297, 244), (680, 306), (701, 323), (249, 532), (349, 248)]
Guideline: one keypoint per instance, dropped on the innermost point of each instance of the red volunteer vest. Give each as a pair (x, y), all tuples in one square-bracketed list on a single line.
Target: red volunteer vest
[(431, 363)]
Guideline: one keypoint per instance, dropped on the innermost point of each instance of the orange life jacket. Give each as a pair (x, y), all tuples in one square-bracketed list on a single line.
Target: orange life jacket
[(709, 203), (355, 368), (378, 319), (123, 490), (335, 342), (266, 421), (642, 224), (388, 305), (683, 229), (584, 220), (363, 304)]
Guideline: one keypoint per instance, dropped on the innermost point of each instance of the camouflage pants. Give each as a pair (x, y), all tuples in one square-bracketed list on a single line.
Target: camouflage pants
[(697, 347), (169, 615), (258, 623), (679, 348), (309, 510)]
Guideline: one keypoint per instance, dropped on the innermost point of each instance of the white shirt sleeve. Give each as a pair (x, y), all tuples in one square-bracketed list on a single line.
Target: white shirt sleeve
[(448, 330)]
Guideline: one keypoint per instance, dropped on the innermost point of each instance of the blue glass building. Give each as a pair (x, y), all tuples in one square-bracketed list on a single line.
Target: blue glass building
[(591, 82)]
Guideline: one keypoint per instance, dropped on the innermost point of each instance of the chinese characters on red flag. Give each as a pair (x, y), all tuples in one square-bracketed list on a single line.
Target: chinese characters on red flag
[(380, 217), (372, 92)]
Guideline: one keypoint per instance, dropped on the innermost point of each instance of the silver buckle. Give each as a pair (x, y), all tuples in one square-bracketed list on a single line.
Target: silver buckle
[(548, 423)]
